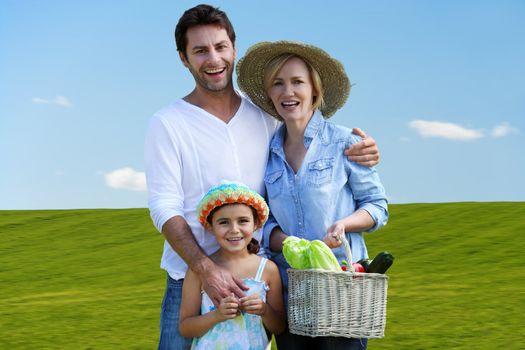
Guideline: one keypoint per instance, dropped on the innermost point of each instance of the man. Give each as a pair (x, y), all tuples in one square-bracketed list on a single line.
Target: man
[(210, 135)]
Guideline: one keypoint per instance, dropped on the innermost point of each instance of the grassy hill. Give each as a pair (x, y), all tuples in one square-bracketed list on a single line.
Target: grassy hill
[(90, 279)]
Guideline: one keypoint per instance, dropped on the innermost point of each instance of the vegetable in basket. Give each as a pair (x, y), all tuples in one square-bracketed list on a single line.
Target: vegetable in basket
[(381, 263), (303, 254), (322, 257), (296, 252)]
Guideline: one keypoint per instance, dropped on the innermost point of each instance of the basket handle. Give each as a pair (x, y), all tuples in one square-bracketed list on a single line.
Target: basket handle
[(348, 252)]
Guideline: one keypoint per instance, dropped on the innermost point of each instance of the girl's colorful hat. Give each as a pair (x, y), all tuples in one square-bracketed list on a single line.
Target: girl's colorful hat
[(232, 193)]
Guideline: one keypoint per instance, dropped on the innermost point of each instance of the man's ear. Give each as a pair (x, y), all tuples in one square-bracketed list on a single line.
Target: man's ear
[(183, 59)]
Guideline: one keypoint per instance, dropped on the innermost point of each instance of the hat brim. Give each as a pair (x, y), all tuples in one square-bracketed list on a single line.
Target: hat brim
[(251, 67)]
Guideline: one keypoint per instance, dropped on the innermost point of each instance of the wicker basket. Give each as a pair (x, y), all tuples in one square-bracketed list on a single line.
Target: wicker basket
[(340, 304)]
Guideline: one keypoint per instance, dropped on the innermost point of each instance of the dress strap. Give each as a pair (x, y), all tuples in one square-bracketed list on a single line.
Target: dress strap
[(260, 270)]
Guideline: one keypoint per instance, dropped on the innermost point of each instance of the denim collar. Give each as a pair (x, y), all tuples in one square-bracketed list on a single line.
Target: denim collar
[(313, 128)]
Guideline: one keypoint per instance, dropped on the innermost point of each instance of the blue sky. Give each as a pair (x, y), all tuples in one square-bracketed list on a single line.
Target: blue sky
[(439, 85)]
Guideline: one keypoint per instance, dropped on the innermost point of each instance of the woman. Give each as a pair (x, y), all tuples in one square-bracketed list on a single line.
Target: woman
[(314, 191)]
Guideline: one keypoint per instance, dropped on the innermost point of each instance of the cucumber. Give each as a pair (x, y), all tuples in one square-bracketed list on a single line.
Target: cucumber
[(365, 263), (381, 263)]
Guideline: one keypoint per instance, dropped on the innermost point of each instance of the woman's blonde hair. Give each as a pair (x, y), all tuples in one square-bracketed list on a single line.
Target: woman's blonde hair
[(276, 64)]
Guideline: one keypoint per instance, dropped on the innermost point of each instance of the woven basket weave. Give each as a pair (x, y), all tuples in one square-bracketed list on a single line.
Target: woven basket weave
[(340, 304)]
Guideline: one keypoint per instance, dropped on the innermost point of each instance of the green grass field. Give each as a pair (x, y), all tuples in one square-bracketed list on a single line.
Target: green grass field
[(90, 279)]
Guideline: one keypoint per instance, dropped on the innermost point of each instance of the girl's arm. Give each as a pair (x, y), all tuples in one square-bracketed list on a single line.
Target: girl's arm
[(271, 312), (192, 323)]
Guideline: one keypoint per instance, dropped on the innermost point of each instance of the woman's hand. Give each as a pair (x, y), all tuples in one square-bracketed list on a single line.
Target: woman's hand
[(334, 234), (253, 304), (228, 308)]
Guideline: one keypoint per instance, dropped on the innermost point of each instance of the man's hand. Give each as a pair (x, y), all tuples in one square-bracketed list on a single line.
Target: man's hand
[(365, 152), (219, 283)]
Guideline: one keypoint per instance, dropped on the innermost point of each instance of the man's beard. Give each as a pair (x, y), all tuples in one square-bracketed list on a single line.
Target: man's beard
[(200, 79)]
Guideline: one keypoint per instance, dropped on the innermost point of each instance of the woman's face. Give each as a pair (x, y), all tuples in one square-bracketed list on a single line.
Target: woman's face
[(292, 91)]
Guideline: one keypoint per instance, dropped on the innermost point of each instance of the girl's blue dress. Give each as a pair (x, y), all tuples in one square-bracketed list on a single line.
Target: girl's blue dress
[(244, 332)]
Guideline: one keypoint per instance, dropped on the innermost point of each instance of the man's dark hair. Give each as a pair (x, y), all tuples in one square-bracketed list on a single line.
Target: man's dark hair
[(197, 16)]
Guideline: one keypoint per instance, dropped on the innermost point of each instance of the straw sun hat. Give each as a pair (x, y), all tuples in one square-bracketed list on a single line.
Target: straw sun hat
[(250, 74)]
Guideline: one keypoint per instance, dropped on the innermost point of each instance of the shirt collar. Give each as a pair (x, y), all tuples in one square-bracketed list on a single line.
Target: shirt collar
[(312, 129)]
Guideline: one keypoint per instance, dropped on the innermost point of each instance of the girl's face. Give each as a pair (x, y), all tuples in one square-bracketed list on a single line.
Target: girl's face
[(292, 91), (233, 226)]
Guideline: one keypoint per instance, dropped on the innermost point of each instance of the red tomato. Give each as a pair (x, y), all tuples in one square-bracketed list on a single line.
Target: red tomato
[(358, 267)]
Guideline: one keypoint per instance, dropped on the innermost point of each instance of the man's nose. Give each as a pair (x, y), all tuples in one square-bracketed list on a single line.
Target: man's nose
[(213, 56)]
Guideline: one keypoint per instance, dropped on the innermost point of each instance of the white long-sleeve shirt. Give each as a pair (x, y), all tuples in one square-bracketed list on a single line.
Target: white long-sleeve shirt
[(188, 151)]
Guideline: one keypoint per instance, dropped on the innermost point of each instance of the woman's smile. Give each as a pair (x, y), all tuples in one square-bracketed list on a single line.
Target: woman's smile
[(292, 91)]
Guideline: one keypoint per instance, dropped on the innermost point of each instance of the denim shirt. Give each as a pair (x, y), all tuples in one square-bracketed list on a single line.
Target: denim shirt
[(326, 188)]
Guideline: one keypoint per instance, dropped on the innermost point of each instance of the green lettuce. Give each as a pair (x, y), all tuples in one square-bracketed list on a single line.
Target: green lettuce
[(322, 257), (296, 251), (303, 254)]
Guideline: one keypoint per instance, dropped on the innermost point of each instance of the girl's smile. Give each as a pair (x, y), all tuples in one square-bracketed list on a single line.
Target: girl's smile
[(233, 226)]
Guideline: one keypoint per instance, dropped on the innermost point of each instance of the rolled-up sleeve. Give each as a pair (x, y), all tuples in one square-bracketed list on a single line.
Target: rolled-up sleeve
[(163, 165), (369, 193)]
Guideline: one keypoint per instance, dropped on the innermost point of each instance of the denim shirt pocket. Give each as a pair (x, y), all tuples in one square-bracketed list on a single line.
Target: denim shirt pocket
[(274, 187), (320, 171)]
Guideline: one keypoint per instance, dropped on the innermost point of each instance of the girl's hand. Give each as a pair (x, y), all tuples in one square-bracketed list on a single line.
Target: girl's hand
[(332, 237), (228, 308), (253, 304)]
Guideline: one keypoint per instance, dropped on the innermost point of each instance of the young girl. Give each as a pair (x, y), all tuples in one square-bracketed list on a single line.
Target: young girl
[(232, 212)]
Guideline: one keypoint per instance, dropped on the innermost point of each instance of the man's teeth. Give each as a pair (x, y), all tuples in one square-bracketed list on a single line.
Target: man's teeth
[(214, 71)]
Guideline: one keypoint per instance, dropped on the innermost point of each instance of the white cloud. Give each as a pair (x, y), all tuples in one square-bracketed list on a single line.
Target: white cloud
[(503, 130), (126, 178), (427, 128), (57, 101)]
